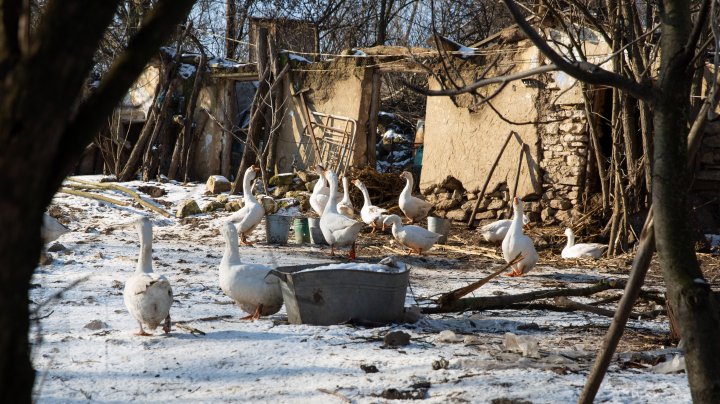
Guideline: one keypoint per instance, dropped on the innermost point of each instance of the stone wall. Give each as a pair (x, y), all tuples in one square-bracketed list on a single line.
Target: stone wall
[(463, 143), (564, 160)]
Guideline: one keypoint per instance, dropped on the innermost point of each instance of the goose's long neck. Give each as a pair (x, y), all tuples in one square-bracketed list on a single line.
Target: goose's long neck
[(366, 195), (331, 207), (517, 222), (247, 189), (231, 255), (346, 197), (144, 264), (407, 191), (319, 185), (570, 240), (397, 227)]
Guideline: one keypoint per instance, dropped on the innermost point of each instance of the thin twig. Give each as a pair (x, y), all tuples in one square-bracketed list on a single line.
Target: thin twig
[(191, 330), (447, 298)]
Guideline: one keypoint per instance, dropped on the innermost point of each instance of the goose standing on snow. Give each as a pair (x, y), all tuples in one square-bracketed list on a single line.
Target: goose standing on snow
[(247, 284), (416, 238), (370, 213), (338, 230), (321, 192), (582, 250), (414, 208), (252, 212), (515, 242), (345, 206), (496, 231), (147, 295)]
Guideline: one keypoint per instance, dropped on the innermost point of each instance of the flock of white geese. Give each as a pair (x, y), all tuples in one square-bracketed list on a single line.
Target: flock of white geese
[(148, 296)]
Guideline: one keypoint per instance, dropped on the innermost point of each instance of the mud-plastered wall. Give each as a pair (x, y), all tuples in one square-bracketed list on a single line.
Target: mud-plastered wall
[(340, 88), (464, 143)]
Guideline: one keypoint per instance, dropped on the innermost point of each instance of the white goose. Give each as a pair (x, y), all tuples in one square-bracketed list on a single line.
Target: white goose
[(338, 230), (416, 238), (147, 295), (370, 213), (582, 250), (252, 212), (51, 229), (496, 231), (515, 242), (247, 284), (345, 206), (321, 192), (414, 208)]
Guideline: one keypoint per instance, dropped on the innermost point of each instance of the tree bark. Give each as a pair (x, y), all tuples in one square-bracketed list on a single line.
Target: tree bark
[(689, 294), (188, 136), (256, 123), (44, 128), (230, 28)]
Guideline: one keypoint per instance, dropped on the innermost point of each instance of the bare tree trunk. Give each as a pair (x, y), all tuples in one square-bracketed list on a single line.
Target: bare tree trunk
[(689, 294), (159, 123), (166, 87), (188, 133), (277, 110), (256, 123), (597, 152), (38, 150), (373, 118), (230, 29)]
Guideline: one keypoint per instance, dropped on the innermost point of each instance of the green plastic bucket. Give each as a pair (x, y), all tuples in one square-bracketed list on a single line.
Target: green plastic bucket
[(302, 230)]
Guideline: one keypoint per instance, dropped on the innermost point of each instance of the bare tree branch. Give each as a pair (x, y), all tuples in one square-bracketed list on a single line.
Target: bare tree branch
[(485, 82), (691, 46), (156, 27), (583, 71)]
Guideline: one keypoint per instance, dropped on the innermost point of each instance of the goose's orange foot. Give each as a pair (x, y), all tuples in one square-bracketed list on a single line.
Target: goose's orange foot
[(256, 314), (244, 241), (351, 254), (515, 272)]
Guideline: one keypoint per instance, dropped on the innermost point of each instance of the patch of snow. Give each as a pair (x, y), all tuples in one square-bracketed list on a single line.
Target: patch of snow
[(170, 51), (400, 154), (186, 71), (358, 52), (713, 239), (223, 63), (297, 58), (270, 360), (359, 266)]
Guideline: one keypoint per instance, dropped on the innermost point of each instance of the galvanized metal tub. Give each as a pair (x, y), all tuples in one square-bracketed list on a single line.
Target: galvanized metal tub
[(336, 296)]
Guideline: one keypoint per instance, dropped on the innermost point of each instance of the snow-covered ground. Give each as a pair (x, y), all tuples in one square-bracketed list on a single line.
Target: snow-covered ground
[(85, 347)]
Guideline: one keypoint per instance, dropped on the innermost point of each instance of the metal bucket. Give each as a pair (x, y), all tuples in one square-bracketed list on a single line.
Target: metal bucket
[(277, 228), (440, 226), (336, 296), (301, 230), (316, 235)]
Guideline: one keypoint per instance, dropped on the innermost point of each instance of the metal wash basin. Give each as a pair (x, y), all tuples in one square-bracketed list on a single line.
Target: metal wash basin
[(335, 296)]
